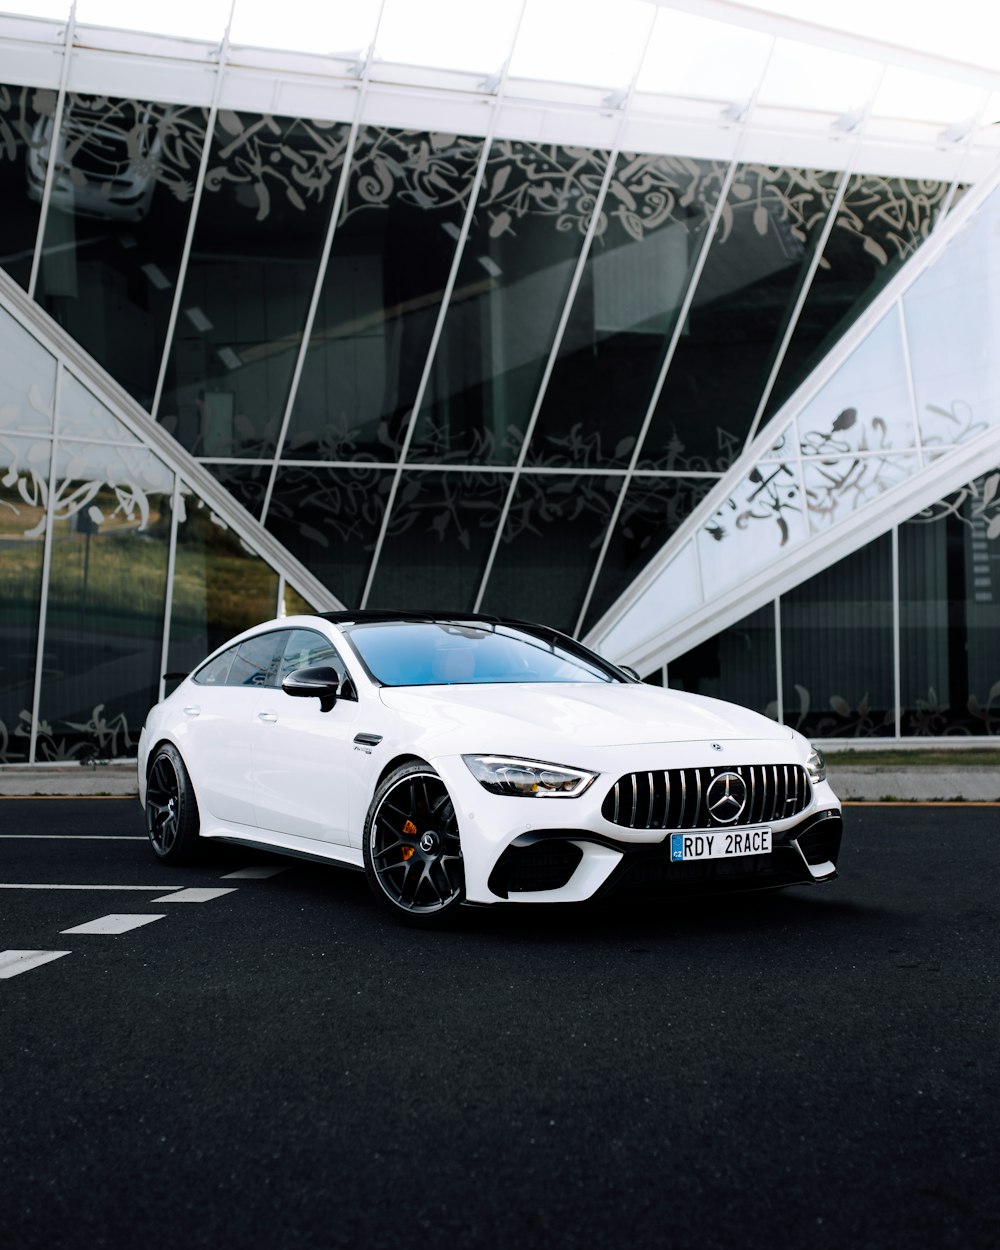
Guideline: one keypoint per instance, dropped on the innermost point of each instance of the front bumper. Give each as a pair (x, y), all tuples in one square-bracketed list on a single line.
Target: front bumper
[(525, 850)]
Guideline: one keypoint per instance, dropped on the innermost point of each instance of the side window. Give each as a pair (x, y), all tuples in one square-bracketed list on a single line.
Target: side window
[(306, 648), (216, 672), (256, 660)]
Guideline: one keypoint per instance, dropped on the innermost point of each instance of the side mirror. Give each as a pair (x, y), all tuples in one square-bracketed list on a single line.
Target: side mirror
[(320, 682)]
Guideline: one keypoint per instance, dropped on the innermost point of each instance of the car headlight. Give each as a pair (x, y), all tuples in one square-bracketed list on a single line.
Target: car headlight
[(530, 779), (816, 765)]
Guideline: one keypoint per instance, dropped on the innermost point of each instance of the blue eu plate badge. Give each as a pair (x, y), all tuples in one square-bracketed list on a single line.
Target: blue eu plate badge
[(676, 846)]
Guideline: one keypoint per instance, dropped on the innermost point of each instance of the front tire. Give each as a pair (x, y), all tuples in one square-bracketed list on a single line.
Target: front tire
[(172, 820), (412, 848)]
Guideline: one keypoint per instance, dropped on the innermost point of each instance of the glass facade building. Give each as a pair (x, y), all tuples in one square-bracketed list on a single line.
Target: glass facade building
[(695, 365)]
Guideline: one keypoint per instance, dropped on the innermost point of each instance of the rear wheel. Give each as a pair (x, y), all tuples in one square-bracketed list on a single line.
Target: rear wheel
[(412, 848), (172, 819)]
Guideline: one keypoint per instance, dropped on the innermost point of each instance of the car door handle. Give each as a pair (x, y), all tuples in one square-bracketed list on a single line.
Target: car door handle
[(192, 711), (267, 717)]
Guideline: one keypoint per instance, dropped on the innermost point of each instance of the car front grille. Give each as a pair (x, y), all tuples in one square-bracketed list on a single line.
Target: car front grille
[(677, 798)]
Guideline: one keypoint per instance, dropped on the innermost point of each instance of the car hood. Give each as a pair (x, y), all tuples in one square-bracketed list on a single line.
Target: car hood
[(513, 718)]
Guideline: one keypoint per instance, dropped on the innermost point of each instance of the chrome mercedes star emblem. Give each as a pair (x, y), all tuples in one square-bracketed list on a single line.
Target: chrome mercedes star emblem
[(727, 797)]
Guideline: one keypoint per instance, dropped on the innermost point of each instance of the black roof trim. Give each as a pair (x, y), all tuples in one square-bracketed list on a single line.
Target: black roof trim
[(365, 615)]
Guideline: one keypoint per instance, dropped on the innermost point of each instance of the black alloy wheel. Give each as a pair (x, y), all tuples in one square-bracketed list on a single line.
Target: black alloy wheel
[(172, 820), (413, 852)]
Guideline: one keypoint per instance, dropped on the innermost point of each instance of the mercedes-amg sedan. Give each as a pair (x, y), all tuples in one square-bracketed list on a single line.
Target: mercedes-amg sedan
[(470, 759)]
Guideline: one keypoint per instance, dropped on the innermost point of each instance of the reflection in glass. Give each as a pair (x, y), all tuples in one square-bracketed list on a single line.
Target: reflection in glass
[(221, 587), (645, 247), (107, 591), (247, 483), (837, 488), (531, 217), (880, 224), (549, 547), (654, 507), (866, 405), (27, 380), (25, 129), (117, 219), (758, 259), (82, 415), (739, 664), (330, 520), (762, 517), (24, 476), (392, 252), (836, 648), (295, 605), (269, 190), (949, 613), (952, 325), (439, 536)]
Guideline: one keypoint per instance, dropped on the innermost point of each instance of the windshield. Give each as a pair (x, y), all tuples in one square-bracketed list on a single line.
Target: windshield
[(445, 654)]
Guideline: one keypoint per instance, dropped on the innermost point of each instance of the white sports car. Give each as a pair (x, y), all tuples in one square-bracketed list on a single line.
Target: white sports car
[(470, 759)]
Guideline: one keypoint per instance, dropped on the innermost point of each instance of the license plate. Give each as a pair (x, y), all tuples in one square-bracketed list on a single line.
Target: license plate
[(720, 844)]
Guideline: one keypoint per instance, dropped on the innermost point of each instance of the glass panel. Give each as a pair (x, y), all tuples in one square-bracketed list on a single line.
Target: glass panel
[(764, 244), (221, 587), (739, 664), (836, 648), (187, 19), (653, 509), (82, 415), (550, 543), (531, 217), (837, 488), (866, 405), (952, 323), (118, 215), (752, 529), (330, 519), (25, 137), (107, 591), (949, 610), (392, 252), (647, 242), (269, 191), (414, 33), (568, 41), (802, 77), (880, 224), (305, 648), (24, 489), (256, 660), (672, 594), (305, 26), (27, 380), (438, 540), (246, 483), (694, 56), (295, 605)]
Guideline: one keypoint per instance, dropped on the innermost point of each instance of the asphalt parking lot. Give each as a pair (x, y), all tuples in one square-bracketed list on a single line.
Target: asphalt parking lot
[(270, 1062)]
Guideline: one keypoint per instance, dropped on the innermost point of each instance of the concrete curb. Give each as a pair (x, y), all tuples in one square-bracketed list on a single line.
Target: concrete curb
[(968, 783), (80, 782)]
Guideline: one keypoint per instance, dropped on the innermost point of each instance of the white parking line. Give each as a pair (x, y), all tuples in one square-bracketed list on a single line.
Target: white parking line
[(48, 886), (12, 963), (253, 874), (194, 894), (115, 923)]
